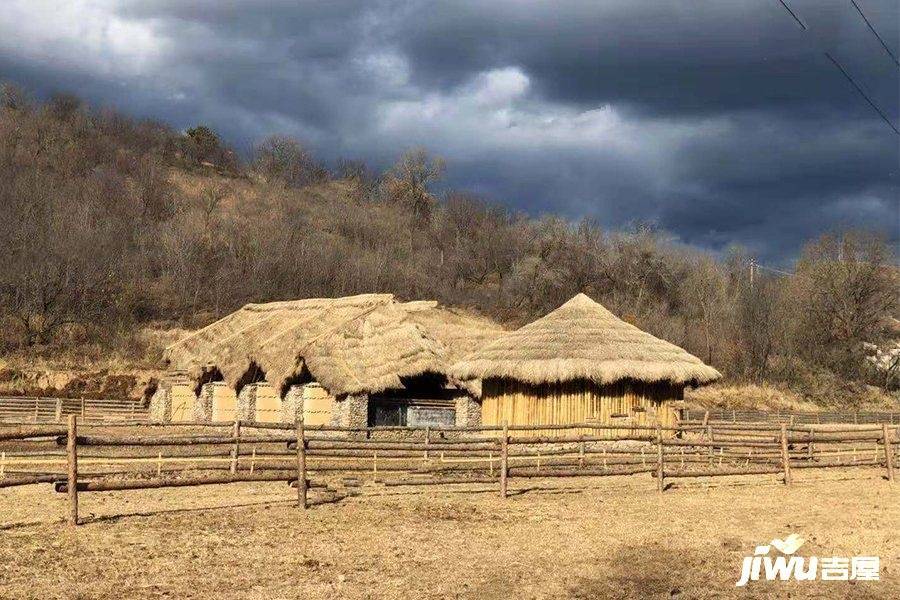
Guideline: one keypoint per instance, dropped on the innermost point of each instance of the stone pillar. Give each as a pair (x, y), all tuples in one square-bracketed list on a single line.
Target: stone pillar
[(173, 399), (351, 411), (218, 397), (161, 404), (292, 404), (246, 403), (468, 411)]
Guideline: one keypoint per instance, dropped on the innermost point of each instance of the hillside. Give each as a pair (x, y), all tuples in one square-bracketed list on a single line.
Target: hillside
[(117, 227)]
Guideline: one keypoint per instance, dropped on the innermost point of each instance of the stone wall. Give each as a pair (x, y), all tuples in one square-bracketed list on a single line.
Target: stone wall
[(468, 411), (246, 403), (218, 397), (173, 399), (351, 411), (312, 400), (292, 404), (161, 404)]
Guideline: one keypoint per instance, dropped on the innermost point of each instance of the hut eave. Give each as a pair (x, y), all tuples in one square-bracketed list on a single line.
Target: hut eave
[(560, 370)]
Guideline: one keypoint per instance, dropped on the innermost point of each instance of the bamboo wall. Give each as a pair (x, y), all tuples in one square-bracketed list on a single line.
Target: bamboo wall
[(317, 405), (622, 403), (223, 400), (267, 405), (183, 400)]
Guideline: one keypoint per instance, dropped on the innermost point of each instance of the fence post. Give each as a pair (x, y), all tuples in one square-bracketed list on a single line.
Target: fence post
[(235, 451), (301, 464), (504, 459), (36, 409), (810, 445), (427, 440), (82, 407), (58, 413), (72, 460), (581, 454), (785, 457), (888, 452), (709, 437), (660, 460)]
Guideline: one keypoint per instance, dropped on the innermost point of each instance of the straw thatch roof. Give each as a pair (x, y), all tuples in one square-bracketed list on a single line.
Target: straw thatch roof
[(583, 340), (356, 344)]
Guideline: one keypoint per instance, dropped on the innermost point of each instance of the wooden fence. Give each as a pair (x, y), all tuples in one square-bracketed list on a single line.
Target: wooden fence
[(26, 409), (198, 453), (810, 418)]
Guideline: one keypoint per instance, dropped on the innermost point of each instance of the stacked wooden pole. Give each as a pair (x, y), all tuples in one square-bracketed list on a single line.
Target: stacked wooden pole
[(888, 452), (72, 459), (742, 451), (660, 461), (236, 451), (785, 456), (504, 459), (301, 464)]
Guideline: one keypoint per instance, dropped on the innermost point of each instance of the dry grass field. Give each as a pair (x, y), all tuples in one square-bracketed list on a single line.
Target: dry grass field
[(605, 538)]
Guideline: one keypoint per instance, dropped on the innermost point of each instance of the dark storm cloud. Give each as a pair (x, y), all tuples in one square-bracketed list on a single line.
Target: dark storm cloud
[(721, 121), (659, 56)]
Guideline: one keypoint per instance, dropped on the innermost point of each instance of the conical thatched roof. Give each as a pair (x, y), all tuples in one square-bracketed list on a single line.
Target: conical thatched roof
[(355, 344), (583, 340)]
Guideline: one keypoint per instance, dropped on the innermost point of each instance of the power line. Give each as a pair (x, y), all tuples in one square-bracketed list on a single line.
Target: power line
[(875, 33), (793, 14), (779, 271), (862, 93), (844, 71)]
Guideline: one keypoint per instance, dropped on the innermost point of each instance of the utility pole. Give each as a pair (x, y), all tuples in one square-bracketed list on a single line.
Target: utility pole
[(752, 271)]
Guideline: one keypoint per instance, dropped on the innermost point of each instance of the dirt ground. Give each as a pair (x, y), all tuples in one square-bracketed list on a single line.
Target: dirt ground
[(586, 538)]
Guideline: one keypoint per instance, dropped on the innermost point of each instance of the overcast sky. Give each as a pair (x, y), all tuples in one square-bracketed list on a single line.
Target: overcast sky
[(721, 121)]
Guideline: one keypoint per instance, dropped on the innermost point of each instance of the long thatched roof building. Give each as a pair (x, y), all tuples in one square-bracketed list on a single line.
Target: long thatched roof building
[(364, 346), (581, 363)]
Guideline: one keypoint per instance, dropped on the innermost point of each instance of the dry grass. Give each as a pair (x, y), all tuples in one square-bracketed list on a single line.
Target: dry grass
[(764, 396), (750, 397), (614, 537)]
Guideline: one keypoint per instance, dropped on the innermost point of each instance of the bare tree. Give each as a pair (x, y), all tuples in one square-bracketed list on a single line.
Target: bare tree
[(846, 287), (706, 300), (284, 159), (407, 183)]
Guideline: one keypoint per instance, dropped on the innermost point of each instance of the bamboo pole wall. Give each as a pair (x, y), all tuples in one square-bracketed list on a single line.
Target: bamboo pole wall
[(622, 403)]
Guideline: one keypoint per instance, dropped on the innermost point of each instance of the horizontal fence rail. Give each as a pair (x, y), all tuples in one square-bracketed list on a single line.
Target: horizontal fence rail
[(95, 456), (818, 418), (42, 409)]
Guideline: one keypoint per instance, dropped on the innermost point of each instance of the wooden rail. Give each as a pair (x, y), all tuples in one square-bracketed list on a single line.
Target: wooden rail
[(41, 409), (793, 417), (419, 456)]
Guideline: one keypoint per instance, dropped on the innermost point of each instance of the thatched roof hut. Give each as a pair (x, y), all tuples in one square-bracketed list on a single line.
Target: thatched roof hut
[(364, 344), (583, 340), (580, 363)]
